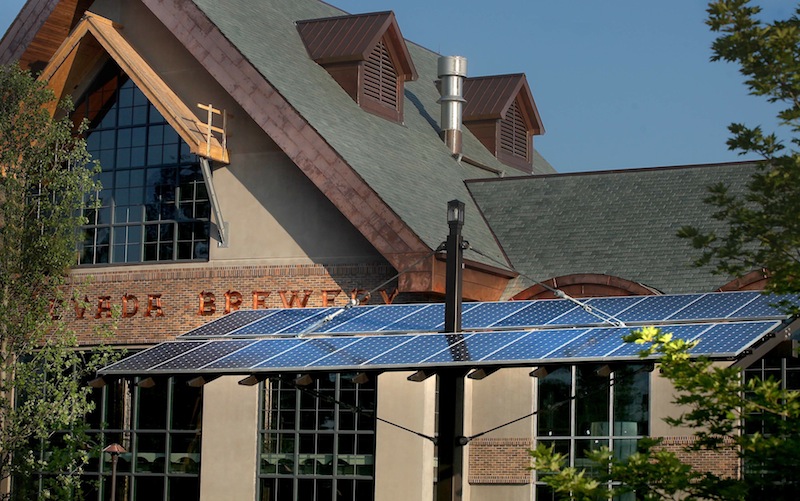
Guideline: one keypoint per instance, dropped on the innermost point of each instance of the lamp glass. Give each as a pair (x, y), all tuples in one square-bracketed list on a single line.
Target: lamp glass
[(455, 211)]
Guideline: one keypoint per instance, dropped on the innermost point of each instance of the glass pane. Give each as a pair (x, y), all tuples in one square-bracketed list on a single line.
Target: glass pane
[(151, 452), (149, 488), (555, 390), (624, 448), (591, 402), (182, 488), (152, 406), (631, 401), (184, 453), (582, 447), (187, 405)]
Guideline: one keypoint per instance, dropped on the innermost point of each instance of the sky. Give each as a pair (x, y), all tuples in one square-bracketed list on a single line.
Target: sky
[(618, 83)]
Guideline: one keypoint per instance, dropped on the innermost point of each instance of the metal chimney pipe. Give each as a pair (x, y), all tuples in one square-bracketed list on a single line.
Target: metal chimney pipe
[(452, 71)]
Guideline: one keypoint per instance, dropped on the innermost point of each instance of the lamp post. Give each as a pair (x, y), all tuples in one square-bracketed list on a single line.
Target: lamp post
[(115, 450), (451, 381)]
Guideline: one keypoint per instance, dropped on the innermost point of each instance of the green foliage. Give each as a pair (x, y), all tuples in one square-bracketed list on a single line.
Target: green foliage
[(715, 400), (44, 182), (763, 225)]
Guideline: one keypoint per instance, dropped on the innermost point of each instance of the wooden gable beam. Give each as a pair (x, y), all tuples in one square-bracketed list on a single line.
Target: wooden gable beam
[(93, 38)]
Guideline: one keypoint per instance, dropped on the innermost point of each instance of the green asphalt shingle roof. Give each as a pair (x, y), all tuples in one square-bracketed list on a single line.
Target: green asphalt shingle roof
[(619, 223), (407, 164)]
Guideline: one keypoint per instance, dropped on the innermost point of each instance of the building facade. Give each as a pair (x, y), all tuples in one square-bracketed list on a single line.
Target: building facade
[(267, 154)]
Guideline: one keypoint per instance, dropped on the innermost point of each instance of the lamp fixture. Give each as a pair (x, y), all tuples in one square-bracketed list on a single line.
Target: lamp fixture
[(482, 373), (97, 382), (201, 381), (146, 383), (253, 379), (420, 376), (304, 380), (539, 372)]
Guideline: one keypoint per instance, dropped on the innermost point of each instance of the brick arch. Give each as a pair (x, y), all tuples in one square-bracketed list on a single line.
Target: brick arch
[(756, 280), (586, 285)]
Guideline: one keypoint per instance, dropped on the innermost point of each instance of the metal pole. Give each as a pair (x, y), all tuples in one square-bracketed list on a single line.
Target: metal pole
[(451, 381), (114, 457), (114, 450)]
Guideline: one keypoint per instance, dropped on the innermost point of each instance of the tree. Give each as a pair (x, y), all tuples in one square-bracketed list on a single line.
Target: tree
[(45, 180), (762, 231), (763, 226)]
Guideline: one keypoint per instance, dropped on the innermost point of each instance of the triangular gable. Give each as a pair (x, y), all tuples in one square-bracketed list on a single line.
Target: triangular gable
[(38, 30), (490, 97), (90, 42), (352, 38)]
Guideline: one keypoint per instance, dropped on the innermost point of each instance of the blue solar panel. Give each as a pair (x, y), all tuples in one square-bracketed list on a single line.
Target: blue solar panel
[(487, 314), (595, 343), (286, 319), (366, 348), (379, 317), (229, 323), (427, 319), (480, 345), (205, 354), (537, 313), (156, 355), (714, 306), (307, 353), (764, 306), (731, 339), (255, 353), (686, 332), (411, 353), (656, 307), (691, 316), (535, 345)]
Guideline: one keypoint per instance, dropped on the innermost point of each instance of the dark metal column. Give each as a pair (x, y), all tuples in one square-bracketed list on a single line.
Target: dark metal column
[(451, 381)]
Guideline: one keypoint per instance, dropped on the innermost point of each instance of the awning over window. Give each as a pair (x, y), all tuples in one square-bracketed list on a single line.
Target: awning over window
[(728, 325)]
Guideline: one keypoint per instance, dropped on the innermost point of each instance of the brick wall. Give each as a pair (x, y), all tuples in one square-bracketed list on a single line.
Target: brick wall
[(505, 460), (724, 463), (500, 461), (162, 303)]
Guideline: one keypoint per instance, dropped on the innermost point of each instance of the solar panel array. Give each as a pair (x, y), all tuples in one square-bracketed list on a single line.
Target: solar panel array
[(496, 334)]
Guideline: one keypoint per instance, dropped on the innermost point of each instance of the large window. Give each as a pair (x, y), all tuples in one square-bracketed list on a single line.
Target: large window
[(153, 205), (585, 407), (160, 427), (317, 441)]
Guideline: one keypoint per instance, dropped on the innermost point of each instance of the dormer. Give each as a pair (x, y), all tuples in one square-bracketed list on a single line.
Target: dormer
[(501, 113), (366, 55)]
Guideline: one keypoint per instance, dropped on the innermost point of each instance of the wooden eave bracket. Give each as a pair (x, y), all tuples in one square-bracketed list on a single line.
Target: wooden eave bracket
[(62, 69)]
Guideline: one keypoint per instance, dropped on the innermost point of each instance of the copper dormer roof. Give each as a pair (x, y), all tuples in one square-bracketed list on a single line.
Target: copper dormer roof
[(351, 38), (490, 97)]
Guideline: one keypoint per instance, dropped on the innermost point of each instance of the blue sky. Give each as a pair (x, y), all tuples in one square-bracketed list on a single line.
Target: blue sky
[(618, 83)]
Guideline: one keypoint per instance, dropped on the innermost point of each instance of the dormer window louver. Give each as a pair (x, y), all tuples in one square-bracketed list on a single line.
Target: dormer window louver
[(380, 77), (366, 55), (514, 138), (500, 112)]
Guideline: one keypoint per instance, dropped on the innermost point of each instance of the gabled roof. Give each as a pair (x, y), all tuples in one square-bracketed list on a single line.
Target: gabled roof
[(392, 181), (350, 38), (38, 30), (95, 37), (490, 97), (619, 223)]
